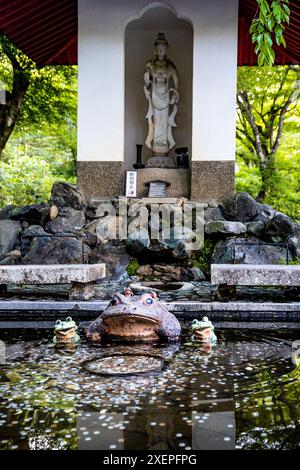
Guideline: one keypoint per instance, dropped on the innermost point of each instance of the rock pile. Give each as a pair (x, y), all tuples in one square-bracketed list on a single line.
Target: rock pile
[(70, 229)]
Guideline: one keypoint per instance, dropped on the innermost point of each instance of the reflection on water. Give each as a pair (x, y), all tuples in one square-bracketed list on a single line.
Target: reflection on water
[(243, 393)]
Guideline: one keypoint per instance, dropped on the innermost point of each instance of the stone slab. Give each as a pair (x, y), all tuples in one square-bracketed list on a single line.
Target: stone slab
[(161, 200), (157, 189), (224, 226), (255, 275), (51, 274)]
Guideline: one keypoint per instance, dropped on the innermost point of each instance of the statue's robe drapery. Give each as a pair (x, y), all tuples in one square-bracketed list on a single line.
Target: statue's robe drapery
[(160, 96)]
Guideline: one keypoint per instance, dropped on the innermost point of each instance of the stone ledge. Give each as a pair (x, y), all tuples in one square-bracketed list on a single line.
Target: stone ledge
[(175, 307), (51, 274), (255, 275), (260, 325)]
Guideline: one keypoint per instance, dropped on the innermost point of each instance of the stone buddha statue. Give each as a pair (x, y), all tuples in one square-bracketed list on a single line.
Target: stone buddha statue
[(161, 90)]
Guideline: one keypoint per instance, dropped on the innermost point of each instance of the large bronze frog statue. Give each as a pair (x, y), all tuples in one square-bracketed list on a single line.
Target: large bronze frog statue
[(135, 318)]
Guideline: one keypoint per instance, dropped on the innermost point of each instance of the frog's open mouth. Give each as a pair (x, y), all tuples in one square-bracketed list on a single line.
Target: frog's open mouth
[(131, 326), (65, 332), (202, 333), (64, 335)]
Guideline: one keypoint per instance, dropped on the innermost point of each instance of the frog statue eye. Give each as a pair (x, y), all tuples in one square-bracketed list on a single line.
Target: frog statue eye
[(149, 301), (114, 301)]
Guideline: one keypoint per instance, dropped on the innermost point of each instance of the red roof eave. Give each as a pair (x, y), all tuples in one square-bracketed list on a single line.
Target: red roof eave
[(47, 31)]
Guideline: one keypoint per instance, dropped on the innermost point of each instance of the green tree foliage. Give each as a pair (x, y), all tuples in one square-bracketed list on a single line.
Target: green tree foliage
[(39, 146), (267, 26), (268, 125)]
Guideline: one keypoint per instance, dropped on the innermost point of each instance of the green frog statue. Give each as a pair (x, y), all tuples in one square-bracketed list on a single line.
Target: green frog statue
[(65, 333), (203, 332)]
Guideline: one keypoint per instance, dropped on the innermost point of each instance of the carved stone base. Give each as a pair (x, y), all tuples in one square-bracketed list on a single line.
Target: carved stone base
[(178, 181), (160, 161), (80, 291)]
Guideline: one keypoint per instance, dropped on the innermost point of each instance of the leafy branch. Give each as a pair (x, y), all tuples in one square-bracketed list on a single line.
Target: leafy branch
[(267, 26)]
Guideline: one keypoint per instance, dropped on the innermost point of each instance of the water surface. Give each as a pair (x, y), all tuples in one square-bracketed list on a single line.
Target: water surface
[(243, 393)]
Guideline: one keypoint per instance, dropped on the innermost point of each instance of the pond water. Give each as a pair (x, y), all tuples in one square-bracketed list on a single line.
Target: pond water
[(243, 393)]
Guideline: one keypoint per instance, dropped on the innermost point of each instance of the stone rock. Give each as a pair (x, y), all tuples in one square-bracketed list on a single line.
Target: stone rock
[(32, 231), (225, 227), (137, 288), (110, 227), (247, 251), (34, 214), (145, 271), (167, 272), (2, 352), (28, 235), (9, 235), (91, 226), (294, 241), (115, 256), (90, 239), (265, 213), (8, 261), (68, 221), (198, 274), (179, 245), (25, 225), (13, 257), (14, 352), (279, 228), (256, 228), (137, 242), (10, 212), (170, 245), (57, 251), (242, 207), (94, 203), (68, 195), (214, 213), (90, 214), (53, 212), (14, 254)]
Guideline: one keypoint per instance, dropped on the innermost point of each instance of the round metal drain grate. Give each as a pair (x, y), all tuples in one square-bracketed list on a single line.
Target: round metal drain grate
[(124, 364)]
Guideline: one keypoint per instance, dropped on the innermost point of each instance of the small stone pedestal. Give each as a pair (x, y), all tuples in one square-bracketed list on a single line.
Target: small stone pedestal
[(177, 181)]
